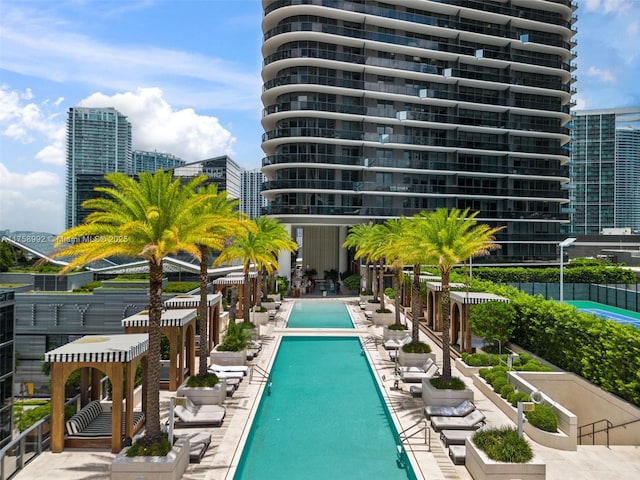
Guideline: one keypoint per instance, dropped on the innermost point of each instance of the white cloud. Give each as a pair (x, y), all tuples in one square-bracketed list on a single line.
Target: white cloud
[(607, 6), (35, 44), (156, 125), (603, 75), (31, 201), (24, 121)]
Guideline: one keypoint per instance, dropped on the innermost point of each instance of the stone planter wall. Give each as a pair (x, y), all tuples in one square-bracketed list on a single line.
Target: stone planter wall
[(482, 467), (444, 398), (170, 467), (205, 395), (465, 369), (414, 359), (260, 318), (558, 440), (383, 318), (228, 358)]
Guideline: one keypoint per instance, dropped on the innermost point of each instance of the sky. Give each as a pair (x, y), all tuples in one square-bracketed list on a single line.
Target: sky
[(186, 73)]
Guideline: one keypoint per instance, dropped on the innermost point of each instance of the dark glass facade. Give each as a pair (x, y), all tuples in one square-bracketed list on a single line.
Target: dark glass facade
[(374, 110), (7, 330)]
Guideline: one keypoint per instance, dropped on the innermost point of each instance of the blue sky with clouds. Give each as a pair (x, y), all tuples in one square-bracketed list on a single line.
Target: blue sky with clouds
[(187, 74)]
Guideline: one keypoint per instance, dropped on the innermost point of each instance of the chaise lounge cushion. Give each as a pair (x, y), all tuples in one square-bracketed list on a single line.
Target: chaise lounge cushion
[(191, 414), (92, 421), (409, 377), (472, 421), (461, 410)]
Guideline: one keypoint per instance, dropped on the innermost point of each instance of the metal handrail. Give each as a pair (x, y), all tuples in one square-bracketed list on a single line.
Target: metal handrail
[(403, 436), (27, 445), (609, 426)]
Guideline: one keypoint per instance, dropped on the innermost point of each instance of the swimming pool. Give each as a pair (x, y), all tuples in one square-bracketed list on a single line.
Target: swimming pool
[(321, 419), (319, 314)]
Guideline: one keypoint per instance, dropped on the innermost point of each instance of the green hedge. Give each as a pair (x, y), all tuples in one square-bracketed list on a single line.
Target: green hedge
[(601, 351), (543, 417), (571, 274)]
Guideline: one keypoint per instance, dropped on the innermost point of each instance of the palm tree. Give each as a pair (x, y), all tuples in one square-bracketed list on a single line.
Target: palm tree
[(392, 250), (448, 238), (228, 221), (150, 218), (259, 247), (359, 238)]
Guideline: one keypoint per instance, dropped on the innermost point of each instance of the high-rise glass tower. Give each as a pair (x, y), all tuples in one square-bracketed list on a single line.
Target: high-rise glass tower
[(373, 110), (144, 161), (98, 142), (7, 362), (251, 200), (606, 169)]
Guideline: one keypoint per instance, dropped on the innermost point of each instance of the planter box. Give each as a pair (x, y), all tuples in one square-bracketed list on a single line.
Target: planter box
[(205, 395), (365, 298), (228, 358), (444, 398), (169, 467), (467, 370), (383, 318), (414, 359), (260, 318), (482, 467)]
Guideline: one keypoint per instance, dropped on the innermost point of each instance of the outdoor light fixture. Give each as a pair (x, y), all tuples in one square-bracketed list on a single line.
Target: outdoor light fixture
[(565, 243)]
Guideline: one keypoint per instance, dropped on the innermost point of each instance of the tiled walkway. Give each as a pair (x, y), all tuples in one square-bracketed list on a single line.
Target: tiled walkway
[(430, 461)]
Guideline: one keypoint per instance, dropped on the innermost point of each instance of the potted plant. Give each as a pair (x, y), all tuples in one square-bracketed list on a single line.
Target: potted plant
[(415, 354), (160, 460), (233, 348), (383, 316), (445, 392), (501, 453), (351, 283), (205, 389)]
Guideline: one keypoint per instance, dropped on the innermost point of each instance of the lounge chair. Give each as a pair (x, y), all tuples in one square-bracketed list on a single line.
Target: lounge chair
[(191, 414), (395, 343), (414, 377), (421, 369), (471, 421), (223, 374), (229, 368), (455, 437), (458, 454), (461, 410)]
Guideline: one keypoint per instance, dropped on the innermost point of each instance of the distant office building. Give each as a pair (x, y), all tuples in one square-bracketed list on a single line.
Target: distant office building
[(251, 200), (98, 142), (606, 170), (376, 110), (7, 359), (152, 161), (222, 171)]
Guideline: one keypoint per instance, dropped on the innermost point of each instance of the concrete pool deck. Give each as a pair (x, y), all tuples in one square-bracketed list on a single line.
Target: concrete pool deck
[(587, 463)]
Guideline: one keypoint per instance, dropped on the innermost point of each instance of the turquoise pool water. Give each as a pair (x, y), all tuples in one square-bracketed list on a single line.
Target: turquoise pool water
[(324, 417), (319, 315)]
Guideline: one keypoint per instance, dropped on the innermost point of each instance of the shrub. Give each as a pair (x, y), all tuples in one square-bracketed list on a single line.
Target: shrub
[(506, 390), (236, 338), (390, 293), (206, 380), (416, 347), (383, 310), (159, 449), (519, 397), (352, 282), (503, 445), (498, 383), (398, 326), (453, 383), (543, 417)]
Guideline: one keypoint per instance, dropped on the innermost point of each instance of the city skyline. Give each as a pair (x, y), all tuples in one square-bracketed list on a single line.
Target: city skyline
[(191, 84)]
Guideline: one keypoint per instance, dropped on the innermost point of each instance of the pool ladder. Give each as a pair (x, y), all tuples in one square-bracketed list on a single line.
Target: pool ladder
[(264, 376), (408, 433)]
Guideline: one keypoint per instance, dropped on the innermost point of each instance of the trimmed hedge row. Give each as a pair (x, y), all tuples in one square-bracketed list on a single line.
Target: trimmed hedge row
[(579, 274), (601, 351)]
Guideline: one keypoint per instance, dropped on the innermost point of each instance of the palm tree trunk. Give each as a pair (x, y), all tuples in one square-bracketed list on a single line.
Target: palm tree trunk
[(153, 432), (203, 310), (445, 302), (415, 305), (396, 291), (381, 285), (233, 307), (246, 302)]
